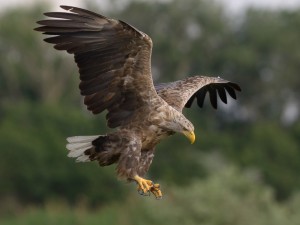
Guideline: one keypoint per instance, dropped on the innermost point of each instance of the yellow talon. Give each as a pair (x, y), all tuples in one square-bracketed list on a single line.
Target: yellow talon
[(156, 191), (147, 186), (144, 186)]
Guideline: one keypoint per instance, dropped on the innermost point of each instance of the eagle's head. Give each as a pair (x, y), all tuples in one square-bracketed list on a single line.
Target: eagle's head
[(180, 124), (186, 128)]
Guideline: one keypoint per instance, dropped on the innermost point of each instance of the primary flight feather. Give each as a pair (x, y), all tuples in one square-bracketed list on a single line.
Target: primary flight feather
[(114, 61)]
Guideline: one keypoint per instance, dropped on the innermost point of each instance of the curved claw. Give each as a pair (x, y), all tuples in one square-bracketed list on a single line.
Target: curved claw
[(146, 186), (155, 189), (141, 192), (158, 197)]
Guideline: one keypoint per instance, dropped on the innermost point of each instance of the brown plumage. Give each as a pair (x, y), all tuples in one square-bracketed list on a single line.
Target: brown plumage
[(114, 61)]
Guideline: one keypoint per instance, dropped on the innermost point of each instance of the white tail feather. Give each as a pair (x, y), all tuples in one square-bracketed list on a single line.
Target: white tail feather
[(83, 158), (77, 146), (81, 139), (77, 152)]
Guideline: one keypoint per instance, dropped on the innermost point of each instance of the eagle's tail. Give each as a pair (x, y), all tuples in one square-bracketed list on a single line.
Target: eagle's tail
[(78, 147)]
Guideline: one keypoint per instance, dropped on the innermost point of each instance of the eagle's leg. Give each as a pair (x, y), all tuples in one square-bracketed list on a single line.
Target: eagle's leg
[(144, 186)]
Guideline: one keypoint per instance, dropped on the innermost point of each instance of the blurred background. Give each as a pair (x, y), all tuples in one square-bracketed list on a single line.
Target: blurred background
[(243, 168)]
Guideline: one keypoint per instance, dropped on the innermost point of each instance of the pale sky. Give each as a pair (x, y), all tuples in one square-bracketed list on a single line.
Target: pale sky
[(235, 6), (238, 5)]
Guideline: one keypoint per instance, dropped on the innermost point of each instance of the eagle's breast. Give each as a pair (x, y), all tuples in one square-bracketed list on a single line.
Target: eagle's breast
[(153, 135)]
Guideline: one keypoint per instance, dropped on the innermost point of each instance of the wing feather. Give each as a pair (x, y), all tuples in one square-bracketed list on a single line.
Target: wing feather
[(182, 93), (222, 93), (70, 16), (200, 97), (213, 96), (113, 59), (230, 91)]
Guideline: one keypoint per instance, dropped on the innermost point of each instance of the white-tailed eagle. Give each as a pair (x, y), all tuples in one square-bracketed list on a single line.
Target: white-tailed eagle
[(114, 61)]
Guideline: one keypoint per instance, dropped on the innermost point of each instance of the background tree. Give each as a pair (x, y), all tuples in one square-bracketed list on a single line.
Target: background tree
[(40, 106)]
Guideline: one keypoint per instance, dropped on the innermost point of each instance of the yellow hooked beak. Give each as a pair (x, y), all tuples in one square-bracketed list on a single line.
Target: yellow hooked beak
[(190, 135)]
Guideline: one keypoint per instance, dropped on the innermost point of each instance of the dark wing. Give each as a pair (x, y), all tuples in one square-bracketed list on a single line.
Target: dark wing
[(113, 59), (182, 93)]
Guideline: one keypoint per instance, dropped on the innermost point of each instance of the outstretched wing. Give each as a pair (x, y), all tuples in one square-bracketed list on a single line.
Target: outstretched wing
[(182, 93), (113, 59)]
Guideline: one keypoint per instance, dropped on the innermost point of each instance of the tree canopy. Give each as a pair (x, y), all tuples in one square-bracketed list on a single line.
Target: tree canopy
[(40, 106)]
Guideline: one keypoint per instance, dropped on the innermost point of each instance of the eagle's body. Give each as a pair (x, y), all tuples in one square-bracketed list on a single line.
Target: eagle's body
[(114, 61)]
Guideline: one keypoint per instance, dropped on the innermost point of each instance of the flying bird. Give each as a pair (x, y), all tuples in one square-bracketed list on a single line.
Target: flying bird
[(114, 61)]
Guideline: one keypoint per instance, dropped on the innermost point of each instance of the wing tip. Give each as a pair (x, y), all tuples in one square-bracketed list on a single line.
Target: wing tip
[(235, 86), (66, 7)]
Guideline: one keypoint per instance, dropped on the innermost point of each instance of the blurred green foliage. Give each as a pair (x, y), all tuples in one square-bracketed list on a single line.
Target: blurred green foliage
[(33, 139), (227, 196), (40, 106)]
